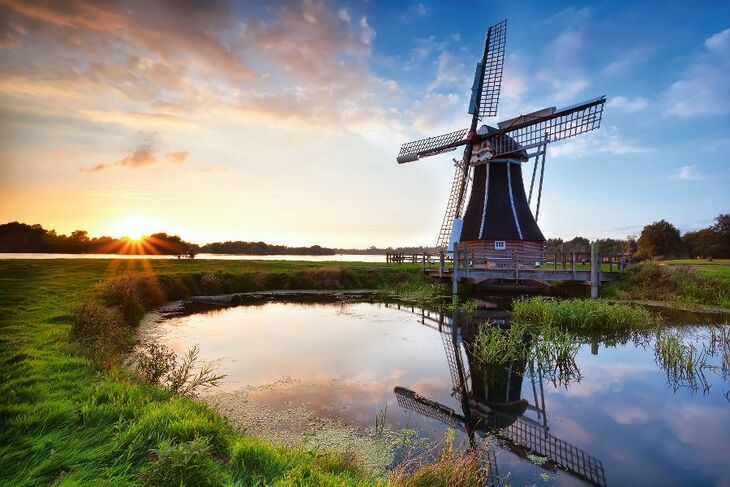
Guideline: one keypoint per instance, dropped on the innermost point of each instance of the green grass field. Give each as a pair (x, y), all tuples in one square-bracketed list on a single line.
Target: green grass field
[(717, 268), (64, 422)]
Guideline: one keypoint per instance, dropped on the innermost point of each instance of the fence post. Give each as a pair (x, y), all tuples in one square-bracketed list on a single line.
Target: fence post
[(455, 275), (572, 256), (441, 264), (595, 270)]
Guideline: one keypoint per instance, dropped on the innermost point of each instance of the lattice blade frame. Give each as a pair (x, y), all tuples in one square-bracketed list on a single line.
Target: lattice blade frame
[(415, 402), (494, 67), (412, 151), (562, 124)]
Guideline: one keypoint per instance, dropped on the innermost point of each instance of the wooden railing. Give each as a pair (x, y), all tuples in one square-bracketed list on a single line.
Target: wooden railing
[(566, 261)]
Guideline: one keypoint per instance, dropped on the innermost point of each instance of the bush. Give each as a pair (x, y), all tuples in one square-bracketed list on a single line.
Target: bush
[(188, 463), (101, 331), (157, 364)]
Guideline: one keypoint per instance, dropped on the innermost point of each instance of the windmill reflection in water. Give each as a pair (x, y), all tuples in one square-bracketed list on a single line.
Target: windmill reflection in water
[(492, 404)]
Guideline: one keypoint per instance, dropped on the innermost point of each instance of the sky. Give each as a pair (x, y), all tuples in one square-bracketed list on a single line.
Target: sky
[(280, 121)]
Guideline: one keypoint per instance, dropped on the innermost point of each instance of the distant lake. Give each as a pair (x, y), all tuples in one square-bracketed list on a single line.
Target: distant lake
[(311, 258)]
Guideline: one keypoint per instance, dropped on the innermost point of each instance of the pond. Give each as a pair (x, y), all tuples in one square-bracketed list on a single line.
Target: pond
[(386, 381)]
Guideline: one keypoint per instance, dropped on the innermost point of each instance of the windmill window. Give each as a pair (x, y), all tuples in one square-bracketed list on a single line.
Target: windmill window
[(500, 245)]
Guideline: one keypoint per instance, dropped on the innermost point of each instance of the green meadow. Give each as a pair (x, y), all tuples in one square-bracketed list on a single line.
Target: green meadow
[(69, 418)]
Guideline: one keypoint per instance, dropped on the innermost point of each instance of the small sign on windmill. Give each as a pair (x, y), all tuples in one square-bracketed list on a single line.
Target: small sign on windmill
[(498, 220)]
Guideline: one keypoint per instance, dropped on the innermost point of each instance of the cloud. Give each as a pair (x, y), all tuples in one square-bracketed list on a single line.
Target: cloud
[(606, 140), (628, 105), (177, 157), (450, 73), (687, 173), (562, 70), (144, 154), (703, 89), (300, 61)]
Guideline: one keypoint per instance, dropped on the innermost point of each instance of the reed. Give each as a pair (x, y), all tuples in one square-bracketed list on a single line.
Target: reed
[(582, 315), (451, 469), (548, 348)]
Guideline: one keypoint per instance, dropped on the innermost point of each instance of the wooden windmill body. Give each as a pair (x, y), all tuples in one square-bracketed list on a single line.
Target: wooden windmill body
[(498, 222)]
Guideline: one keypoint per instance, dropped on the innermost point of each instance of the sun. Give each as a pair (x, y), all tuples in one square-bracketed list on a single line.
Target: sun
[(134, 227)]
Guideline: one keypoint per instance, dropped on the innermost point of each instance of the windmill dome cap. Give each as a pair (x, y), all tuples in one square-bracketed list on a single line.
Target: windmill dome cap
[(520, 155)]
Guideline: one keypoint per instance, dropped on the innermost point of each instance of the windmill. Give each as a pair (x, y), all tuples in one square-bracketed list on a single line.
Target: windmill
[(497, 217), (492, 405)]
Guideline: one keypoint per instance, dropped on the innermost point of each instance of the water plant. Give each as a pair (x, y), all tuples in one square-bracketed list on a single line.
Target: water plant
[(582, 315), (683, 362), (687, 357), (548, 348), (416, 290)]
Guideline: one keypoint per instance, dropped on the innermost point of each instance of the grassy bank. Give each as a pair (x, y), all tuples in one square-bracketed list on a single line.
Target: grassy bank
[(682, 285), (64, 421), (719, 268)]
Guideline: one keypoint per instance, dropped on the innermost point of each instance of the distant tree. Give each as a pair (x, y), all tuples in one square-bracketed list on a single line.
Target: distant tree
[(722, 225), (659, 239), (578, 244), (554, 244), (630, 245), (80, 235), (702, 243)]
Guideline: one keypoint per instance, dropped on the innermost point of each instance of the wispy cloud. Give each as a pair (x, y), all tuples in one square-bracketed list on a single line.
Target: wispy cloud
[(703, 89), (450, 73), (687, 173), (627, 105), (607, 140), (144, 154)]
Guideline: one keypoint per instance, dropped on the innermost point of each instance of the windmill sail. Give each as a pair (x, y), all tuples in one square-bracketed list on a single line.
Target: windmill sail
[(452, 207), (488, 74), (518, 432), (547, 125), (412, 151)]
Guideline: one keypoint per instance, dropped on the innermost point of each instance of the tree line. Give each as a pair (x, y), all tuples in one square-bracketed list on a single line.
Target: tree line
[(657, 240), (660, 239)]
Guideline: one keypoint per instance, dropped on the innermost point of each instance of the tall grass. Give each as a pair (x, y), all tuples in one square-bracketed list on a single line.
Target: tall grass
[(451, 469), (582, 315), (416, 290)]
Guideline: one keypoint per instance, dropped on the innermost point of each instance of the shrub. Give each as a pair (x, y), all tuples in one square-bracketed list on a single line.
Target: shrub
[(188, 463), (157, 364), (101, 331)]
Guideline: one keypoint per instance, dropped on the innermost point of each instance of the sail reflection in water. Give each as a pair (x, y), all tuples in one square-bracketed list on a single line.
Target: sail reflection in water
[(491, 403)]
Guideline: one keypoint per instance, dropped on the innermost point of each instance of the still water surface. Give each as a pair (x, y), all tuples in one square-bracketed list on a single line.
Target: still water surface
[(622, 423)]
